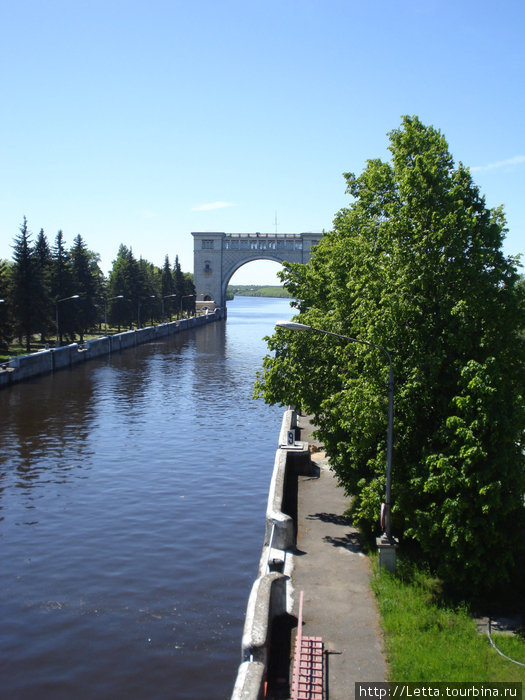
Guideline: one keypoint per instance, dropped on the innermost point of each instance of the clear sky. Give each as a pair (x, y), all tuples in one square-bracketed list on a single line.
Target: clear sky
[(139, 121)]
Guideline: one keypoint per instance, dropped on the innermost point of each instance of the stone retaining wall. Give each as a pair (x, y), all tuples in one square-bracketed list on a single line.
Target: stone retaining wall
[(270, 591), (49, 361)]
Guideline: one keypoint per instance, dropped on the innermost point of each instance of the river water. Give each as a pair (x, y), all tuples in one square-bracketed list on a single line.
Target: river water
[(132, 501)]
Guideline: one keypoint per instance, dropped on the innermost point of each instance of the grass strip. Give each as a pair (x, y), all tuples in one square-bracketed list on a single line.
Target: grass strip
[(428, 641)]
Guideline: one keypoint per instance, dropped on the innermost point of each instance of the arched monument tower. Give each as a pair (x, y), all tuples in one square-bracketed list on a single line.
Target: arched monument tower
[(216, 256)]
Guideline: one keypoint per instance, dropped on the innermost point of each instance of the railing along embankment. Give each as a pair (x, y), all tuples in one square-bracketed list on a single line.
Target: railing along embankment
[(54, 359), (270, 596)]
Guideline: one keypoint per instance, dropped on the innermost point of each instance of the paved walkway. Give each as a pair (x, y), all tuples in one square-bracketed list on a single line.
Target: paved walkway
[(334, 575)]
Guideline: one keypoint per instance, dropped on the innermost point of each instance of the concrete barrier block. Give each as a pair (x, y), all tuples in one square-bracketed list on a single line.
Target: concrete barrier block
[(267, 600), (281, 523), (249, 684), (6, 376), (78, 354), (32, 365), (97, 347), (162, 330), (289, 422), (62, 356), (114, 343), (145, 335), (127, 339)]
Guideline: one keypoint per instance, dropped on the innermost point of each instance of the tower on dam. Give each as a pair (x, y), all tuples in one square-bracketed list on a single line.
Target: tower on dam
[(217, 256)]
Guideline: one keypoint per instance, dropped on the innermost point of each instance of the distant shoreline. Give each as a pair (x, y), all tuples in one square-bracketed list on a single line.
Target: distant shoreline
[(254, 290)]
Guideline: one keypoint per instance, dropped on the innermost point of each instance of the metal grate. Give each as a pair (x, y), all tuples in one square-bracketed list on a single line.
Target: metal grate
[(308, 671)]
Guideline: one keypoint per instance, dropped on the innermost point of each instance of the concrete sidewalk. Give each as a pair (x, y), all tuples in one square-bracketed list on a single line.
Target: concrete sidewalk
[(334, 574)]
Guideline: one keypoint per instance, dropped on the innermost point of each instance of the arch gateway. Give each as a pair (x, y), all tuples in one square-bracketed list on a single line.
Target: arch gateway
[(216, 256)]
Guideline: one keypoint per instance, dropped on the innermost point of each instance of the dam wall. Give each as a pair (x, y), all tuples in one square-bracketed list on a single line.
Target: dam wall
[(269, 603), (53, 359)]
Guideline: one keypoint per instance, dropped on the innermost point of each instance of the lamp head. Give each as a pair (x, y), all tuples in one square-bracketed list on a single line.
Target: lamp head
[(293, 326)]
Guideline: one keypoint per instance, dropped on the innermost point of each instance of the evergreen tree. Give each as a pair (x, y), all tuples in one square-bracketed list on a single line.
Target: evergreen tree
[(189, 293), (179, 282), (46, 306), (62, 288), (167, 287), (415, 265), (26, 287), (85, 275), (6, 328), (150, 282), (178, 278), (125, 279)]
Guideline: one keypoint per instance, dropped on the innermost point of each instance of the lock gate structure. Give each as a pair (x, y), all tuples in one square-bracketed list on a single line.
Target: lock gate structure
[(218, 255)]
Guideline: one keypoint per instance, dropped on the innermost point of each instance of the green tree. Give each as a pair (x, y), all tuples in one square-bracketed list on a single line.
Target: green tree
[(415, 264), (126, 279), (86, 281), (26, 287), (62, 287), (6, 328), (43, 261), (188, 304), (149, 295), (167, 287)]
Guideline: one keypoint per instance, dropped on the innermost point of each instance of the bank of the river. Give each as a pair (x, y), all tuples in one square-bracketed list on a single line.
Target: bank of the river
[(53, 359)]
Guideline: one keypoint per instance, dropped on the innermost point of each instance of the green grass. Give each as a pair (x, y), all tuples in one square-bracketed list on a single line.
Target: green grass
[(255, 290), (425, 640)]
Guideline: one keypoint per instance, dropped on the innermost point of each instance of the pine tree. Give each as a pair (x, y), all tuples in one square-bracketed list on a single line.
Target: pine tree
[(46, 307), (6, 328), (85, 275), (167, 287), (62, 288), (26, 287)]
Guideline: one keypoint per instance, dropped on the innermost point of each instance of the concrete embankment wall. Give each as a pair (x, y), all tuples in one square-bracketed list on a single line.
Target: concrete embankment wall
[(270, 593), (48, 361)]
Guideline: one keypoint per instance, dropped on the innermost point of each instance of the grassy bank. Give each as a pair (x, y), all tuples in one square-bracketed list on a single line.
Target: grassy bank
[(244, 290), (426, 640)]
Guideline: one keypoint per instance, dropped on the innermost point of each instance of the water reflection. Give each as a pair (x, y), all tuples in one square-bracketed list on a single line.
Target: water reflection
[(134, 491)]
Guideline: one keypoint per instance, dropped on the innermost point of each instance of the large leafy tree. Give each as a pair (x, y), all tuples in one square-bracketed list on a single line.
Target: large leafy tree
[(414, 264)]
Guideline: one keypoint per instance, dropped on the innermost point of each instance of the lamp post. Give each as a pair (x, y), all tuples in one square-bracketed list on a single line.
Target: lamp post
[(386, 543), (120, 296), (141, 299), (187, 296), (58, 301), (167, 296)]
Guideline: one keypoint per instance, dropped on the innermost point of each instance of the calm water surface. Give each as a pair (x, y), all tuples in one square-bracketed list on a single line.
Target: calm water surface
[(132, 498)]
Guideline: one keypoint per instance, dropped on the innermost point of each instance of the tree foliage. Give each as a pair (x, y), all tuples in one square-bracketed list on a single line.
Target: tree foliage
[(26, 286), (45, 284), (415, 264)]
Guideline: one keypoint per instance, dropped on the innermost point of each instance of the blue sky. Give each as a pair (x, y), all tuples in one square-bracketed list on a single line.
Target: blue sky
[(139, 121)]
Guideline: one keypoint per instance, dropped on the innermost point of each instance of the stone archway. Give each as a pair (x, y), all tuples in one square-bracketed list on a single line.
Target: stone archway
[(217, 255)]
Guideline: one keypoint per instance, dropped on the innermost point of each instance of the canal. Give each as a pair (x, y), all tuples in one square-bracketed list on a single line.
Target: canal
[(132, 499)]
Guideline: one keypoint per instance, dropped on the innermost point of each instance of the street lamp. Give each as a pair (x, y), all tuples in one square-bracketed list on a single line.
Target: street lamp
[(188, 296), (167, 296), (120, 296), (58, 301), (386, 542)]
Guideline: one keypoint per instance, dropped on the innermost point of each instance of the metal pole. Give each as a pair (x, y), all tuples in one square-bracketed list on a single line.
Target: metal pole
[(75, 296), (291, 325)]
